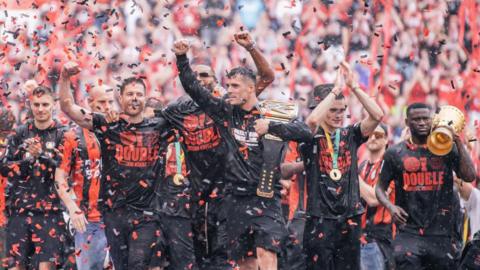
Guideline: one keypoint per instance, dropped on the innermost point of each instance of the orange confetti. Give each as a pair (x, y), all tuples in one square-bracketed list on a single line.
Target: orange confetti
[(134, 235)]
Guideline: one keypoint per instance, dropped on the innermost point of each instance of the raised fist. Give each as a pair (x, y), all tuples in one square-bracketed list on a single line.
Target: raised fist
[(180, 47), (244, 39), (70, 69)]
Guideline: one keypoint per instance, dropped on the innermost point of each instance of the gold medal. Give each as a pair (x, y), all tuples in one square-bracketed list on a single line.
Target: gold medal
[(178, 179), (335, 174)]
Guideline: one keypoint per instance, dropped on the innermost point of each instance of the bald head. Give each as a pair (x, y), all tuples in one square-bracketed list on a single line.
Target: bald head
[(101, 99), (206, 76)]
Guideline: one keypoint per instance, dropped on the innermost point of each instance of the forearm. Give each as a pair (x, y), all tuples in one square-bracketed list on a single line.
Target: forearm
[(265, 72), (467, 169), (315, 118), (294, 131), (63, 191), (380, 192), (368, 193), (372, 108), (79, 115), (290, 169)]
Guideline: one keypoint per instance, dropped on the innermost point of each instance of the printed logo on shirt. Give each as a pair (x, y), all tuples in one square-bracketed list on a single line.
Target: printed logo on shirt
[(137, 149), (417, 177), (200, 133), (248, 138), (325, 162)]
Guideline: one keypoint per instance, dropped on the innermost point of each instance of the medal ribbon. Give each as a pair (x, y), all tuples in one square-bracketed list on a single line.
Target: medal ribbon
[(333, 149), (178, 158)]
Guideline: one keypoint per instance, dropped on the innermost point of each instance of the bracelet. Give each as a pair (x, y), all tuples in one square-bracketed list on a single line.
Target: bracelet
[(251, 47)]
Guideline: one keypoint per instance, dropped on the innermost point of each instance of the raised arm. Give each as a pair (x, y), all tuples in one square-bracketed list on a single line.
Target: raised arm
[(375, 113), (314, 120), (265, 73), (80, 115), (213, 106)]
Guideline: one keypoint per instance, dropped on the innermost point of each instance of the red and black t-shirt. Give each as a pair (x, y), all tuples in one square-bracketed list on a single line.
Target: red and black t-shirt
[(202, 143), (376, 221), (328, 198), (244, 155), (32, 180), (130, 160), (423, 187), (81, 160)]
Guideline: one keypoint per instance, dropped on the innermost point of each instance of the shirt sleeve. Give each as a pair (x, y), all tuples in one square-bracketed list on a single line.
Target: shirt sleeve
[(387, 173), (293, 131), (100, 125), (70, 145), (215, 107), (472, 204), (358, 137)]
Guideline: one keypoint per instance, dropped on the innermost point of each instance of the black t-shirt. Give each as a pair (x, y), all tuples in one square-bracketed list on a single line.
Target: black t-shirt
[(244, 156), (130, 158), (328, 198), (423, 187), (202, 144), (32, 180)]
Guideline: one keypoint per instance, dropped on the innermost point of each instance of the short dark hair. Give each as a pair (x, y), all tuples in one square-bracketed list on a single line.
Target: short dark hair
[(417, 105), (42, 90), (244, 72), (320, 92), (132, 80), (384, 127)]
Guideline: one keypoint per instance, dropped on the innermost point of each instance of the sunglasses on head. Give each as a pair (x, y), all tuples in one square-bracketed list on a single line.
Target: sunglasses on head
[(378, 135), (203, 74)]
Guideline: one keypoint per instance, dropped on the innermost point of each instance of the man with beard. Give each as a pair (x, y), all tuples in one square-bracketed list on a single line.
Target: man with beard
[(256, 226), (130, 147), (332, 229), (424, 203), (81, 161), (376, 252), (205, 154), (35, 228)]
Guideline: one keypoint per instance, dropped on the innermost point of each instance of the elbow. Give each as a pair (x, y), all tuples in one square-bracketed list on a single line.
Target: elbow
[(373, 202)]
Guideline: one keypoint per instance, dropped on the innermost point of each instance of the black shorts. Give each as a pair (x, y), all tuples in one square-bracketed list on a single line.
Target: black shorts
[(471, 254), (423, 252), (332, 244), (35, 237), (253, 222), (209, 234), (179, 243), (134, 238)]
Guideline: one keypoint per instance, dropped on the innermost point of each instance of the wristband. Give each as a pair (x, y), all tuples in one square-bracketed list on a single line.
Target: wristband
[(251, 47)]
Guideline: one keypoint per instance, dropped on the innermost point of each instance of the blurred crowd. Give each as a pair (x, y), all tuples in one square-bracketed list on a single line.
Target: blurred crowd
[(402, 51)]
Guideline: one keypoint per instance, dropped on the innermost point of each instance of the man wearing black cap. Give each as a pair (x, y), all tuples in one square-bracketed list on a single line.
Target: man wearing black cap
[(332, 231)]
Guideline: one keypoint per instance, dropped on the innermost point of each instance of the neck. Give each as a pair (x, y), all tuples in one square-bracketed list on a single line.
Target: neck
[(249, 104), (419, 140), (376, 155), (136, 119), (327, 128), (42, 125)]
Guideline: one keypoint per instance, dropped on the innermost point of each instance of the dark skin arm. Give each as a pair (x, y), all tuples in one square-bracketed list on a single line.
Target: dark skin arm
[(399, 215), (265, 72)]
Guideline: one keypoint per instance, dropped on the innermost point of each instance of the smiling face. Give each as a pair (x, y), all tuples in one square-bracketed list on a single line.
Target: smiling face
[(132, 99), (419, 121)]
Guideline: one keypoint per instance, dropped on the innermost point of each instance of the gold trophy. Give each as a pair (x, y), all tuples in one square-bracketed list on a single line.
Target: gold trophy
[(446, 123), (273, 146)]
